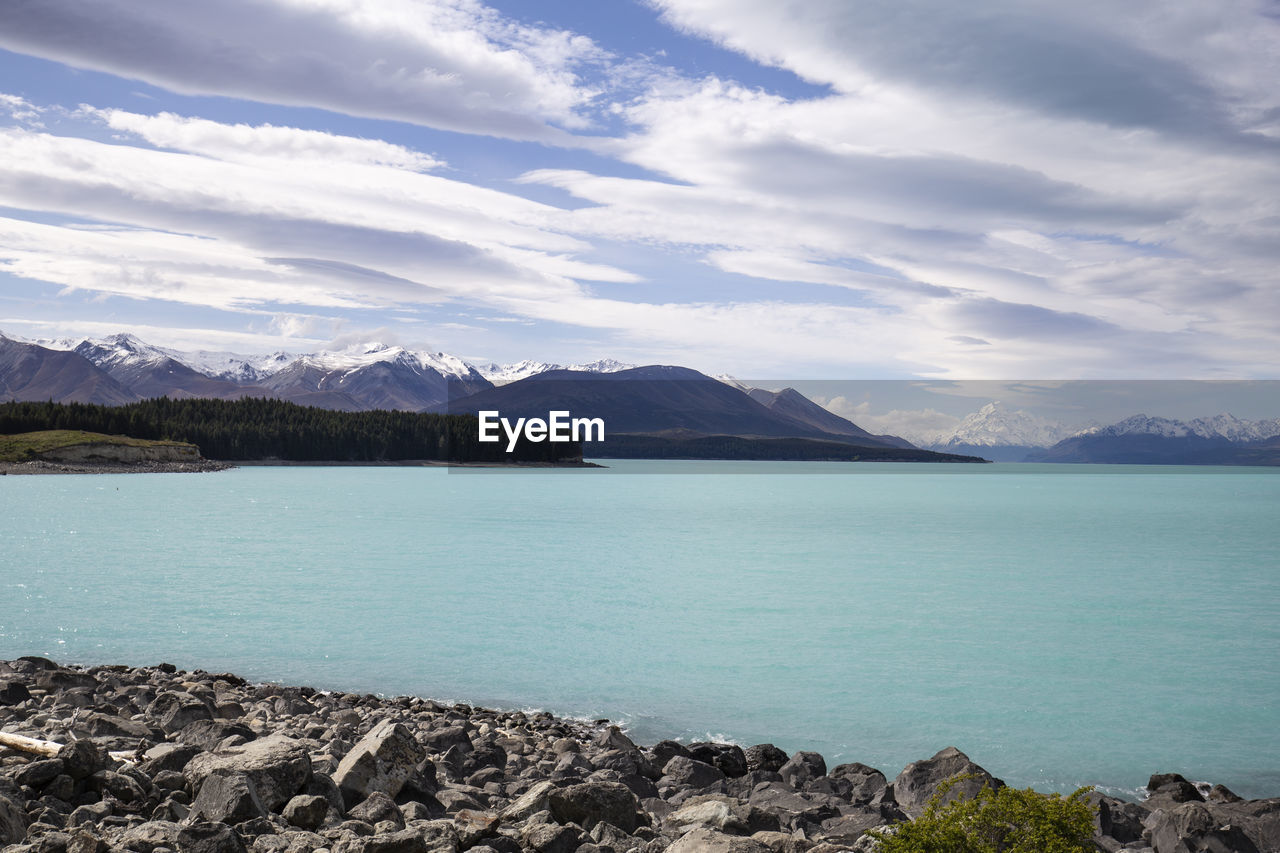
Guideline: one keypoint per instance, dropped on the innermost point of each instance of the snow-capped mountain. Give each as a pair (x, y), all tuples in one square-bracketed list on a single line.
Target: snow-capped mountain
[(1224, 426), (376, 375), (502, 374), (235, 367), (995, 425), (1140, 439), (150, 371)]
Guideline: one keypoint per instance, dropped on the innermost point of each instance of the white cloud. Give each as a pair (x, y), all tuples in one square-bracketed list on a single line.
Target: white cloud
[(241, 143), (451, 64)]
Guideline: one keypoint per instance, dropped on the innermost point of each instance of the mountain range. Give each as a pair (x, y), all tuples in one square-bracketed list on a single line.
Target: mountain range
[(652, 399), (675, 402), (1003, 435)]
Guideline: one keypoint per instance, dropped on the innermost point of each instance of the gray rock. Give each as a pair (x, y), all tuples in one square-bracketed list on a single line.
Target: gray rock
[(148, 836), (685, 772), (37, 774), (664, 750), (81, 759), (552, 838), (13, 822), (710, 841), (277, 765), (377, 808), (124, 788), (764, 756), (383, 760), (92, 813), (306, 811), (726, 757), (167, 756), (227, 796), (802, 768), (920, 780), (1192, 828), (401, 841), (865, 782), (209, 838), (720, 813), (13, 693), (530, 802), (591, 802), (207, 734)]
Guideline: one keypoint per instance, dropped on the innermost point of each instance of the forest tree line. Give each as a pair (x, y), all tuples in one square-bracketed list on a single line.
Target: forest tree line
[(255, 428)]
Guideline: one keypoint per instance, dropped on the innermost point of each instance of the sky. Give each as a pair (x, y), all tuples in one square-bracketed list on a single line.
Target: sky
[(855, 189)]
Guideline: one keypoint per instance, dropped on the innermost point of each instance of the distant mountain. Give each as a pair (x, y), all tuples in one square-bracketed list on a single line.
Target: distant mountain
[(1000, 434), (376, 376), (654, 399), (32, 372), (358, 378), (149, 371), (501, 374), (791, 404), (1140, 439)]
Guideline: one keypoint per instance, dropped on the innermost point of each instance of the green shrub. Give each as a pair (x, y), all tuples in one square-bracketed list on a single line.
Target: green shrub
[(1003, 820)]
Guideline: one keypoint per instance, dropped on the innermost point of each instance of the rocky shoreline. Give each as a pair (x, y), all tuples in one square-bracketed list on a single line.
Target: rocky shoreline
[(145, 467), (153, 759)]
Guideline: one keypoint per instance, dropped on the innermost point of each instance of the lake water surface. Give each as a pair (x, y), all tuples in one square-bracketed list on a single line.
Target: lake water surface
[(1063, 625)]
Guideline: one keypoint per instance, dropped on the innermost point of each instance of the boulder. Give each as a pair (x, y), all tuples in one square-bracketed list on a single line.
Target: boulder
[(13, 822), (400, 841), (664, 750), (1166, 790), (207, 734), (802, 768), (81, 759), (13, 693), (919, 781), (145, 837), (529, 803), (726, 757), (306, 811), (552, 838), (376, 808), (37, 774), (1192, 828), (209, 838), (589, 803), (684, 772), (167, 756), (383, 760), (865, 782), (227, 796), (710, 841), (277, 765), (765, 756)]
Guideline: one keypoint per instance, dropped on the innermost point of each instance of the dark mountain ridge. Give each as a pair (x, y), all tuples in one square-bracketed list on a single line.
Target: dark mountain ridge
[(650, 400)]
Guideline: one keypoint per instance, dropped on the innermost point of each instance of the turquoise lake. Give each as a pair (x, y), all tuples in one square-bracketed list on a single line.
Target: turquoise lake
[(1063, 625)]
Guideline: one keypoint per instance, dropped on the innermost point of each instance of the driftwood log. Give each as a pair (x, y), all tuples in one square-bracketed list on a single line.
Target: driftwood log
[(47, 748)]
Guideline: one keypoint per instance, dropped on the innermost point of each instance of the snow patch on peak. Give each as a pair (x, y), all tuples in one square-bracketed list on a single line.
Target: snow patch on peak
[(503, 374), (995, 425)]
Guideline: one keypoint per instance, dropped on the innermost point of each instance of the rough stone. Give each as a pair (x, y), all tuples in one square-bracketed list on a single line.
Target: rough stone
[(591, 802), (306, 811), (802, 768), (13, 822), (920, 780), (383, 760), (277, 765), (687, 772), (710, 841), (764, 756), (227, 796)]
